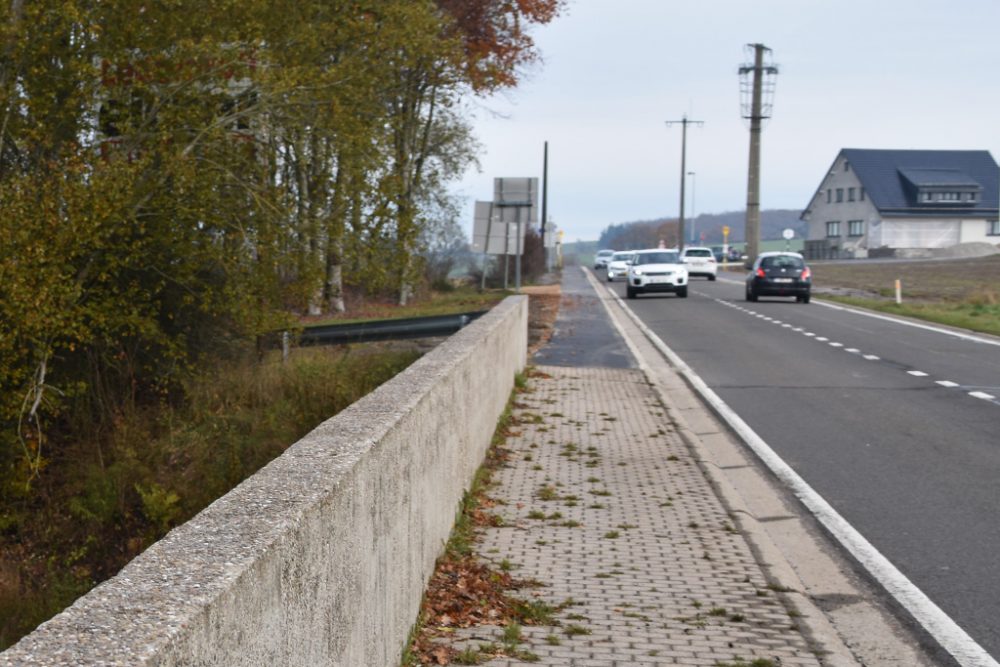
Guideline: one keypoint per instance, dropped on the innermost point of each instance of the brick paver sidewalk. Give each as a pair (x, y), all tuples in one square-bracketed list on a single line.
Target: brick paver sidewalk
[(606, 505)]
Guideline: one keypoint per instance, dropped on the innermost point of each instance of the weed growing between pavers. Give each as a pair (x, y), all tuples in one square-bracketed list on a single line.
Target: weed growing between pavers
[(485, 597)]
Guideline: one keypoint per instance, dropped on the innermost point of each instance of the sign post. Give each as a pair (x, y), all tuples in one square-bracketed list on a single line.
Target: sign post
[(725, 247), (516, 194)]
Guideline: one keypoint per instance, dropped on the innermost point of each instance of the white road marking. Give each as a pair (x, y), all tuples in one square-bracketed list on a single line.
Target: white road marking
[(982, 394), (938, 624), (871, 357), (927, 327), (822, 339), (836, 345), (919, 374), (947, 383), (810, 334), (852, 350)]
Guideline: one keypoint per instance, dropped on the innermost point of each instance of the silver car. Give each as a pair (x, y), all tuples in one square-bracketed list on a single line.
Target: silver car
[(601, 260), (618, 265)]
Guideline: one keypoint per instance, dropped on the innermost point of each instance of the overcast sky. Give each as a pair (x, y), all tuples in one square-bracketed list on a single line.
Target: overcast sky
[(853, 74)]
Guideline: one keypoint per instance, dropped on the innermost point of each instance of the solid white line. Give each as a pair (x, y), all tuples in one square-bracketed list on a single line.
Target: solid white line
[(940, 626), (927, 327), (947, 383), (982, 394), (919, 374)]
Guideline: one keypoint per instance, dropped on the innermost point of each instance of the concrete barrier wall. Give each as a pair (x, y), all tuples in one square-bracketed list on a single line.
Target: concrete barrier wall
[(322, 557)]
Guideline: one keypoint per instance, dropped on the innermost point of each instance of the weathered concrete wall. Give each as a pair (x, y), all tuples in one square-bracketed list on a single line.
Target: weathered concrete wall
[(322, 557)]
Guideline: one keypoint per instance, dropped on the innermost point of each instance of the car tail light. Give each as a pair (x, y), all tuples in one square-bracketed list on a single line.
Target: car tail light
[(806, 273), (761, 274)]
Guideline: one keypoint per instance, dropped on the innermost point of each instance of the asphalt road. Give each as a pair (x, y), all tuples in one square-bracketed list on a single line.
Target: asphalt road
[(891, 424)]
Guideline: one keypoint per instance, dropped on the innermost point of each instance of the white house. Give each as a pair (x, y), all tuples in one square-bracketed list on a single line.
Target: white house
[(881, 201)]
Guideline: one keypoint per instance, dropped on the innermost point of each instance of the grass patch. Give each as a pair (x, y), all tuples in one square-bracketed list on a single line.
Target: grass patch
[(981, 317), (961, 293), (117, 488)]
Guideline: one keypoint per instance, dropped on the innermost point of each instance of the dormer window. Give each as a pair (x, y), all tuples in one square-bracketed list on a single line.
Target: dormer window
[(941, 187)]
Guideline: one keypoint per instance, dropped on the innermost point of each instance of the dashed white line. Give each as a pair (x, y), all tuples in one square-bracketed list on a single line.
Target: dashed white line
[(919, 374), (947, 383), (852, 350), (836, 345), (810, 334), (822, 339), (871, 357), (982, 394)]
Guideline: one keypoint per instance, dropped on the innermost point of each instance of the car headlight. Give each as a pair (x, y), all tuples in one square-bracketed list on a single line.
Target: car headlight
[(637, 272)]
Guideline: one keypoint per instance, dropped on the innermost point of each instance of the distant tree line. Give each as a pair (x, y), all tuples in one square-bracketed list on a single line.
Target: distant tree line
[(176, 177), (707, 229)]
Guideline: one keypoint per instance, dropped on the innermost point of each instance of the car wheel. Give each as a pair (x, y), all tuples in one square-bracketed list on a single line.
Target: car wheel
[(750, 295), (610, 279), (711, 277), (630, 292), (682, 292), (805, 298)]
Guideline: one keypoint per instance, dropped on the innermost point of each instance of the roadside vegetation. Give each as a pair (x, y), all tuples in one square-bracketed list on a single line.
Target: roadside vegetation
[(176, 182), (960, 293)]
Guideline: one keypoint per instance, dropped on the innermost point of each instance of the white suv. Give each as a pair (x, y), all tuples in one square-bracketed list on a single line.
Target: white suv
[(700, 261), (657, 271)]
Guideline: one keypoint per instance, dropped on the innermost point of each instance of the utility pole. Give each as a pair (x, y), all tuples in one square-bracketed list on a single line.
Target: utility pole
[(758, 99), (684, 122)]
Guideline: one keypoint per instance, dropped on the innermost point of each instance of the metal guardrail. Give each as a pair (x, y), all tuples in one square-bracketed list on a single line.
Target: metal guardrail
[(376, 330)]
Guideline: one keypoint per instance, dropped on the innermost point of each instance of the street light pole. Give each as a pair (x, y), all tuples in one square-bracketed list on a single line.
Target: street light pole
[(694, 218)]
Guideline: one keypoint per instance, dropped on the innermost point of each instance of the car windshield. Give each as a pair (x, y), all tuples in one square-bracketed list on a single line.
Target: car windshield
[(621, 257), (664, 257), (698, 252)]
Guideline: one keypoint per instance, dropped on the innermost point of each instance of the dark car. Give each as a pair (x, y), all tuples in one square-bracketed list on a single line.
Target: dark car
[(779, 274)]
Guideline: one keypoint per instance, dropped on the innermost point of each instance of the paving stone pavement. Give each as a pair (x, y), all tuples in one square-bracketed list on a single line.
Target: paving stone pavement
[(604, 503)]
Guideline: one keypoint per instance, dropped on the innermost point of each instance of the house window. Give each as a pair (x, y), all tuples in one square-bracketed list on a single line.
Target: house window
[(828, 196), (928, 196), (833, 229), (840, 195), (862, 194), (855, 227), (847, 165), (993, 228), (850, 194)]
